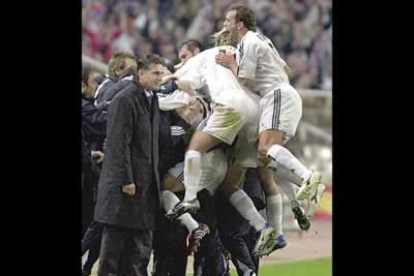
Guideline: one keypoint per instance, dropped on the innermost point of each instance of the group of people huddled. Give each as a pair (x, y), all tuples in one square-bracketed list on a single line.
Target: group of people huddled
[(190, 158)]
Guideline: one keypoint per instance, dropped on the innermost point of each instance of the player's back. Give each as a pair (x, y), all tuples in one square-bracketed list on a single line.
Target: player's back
[(219, 79), (260, 63), (223, 85)]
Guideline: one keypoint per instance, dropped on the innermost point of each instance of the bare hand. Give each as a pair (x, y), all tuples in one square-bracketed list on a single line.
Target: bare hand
[(166, 78), (98, 156), (186, 87), (226, 60), (129, 189)]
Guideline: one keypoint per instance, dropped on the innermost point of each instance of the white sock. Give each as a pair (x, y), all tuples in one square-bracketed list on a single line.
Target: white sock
[(169, 200), (274, 205), (188, 221), (244, 205), (289, 189), (287, 166), (192, 174)]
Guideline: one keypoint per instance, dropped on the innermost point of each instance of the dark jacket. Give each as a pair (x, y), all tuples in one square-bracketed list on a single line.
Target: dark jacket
[(173, 129), (111, 89), (93, 124), (107, 84), (87, 161), (131, 156)]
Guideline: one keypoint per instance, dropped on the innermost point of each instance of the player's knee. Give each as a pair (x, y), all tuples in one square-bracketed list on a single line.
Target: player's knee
[(262, 151), (273, 150), (268, 140), (262, 154)]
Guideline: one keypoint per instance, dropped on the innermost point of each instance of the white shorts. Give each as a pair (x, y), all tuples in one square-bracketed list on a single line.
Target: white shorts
[(242, 153), (213, 171), (224, 123), (281, 109)]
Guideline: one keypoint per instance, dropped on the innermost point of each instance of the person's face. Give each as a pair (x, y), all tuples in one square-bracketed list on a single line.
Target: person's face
[(90, 87), (151, 78), (184, 54), (230, 23)]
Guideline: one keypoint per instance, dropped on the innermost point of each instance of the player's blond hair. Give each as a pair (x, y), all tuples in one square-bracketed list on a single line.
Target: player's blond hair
[(223, 38)]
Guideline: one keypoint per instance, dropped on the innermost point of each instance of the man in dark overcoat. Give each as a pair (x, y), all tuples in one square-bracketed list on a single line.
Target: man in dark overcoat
[(128, 200)]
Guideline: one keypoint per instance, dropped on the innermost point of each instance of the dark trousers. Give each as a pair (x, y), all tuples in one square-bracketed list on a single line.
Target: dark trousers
[(234, 232), (170, 253), (91, 241), (251, 238), (209, 260), (115, 240), (88, 203), (241, 255)]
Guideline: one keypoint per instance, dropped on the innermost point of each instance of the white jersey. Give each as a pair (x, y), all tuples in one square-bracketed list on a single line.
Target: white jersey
[(224, 88), (260, 63)]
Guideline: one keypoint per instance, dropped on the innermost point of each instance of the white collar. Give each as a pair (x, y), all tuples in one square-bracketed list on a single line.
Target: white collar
[(148, 93)]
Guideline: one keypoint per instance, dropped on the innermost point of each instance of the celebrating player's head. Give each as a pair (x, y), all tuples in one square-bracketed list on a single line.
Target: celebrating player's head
[(189, 49), (224, 38), (239, 18)]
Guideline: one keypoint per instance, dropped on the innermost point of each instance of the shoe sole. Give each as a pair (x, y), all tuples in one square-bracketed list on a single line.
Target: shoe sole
[(303, 221), (319, 195), (306, 190), (276, 247), (258, 247), (267, 250), (174, 215), (258, 250)]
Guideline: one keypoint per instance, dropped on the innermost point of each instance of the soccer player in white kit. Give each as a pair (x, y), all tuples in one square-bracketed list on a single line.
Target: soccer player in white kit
[(228, 117), (234, 110), (259, 67)]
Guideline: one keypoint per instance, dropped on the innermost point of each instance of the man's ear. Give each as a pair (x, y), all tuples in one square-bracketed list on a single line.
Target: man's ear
[(139, 73), (196, 51)]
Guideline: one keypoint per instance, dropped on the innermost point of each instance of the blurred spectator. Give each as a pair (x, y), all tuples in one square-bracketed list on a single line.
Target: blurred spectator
[(300, 29)]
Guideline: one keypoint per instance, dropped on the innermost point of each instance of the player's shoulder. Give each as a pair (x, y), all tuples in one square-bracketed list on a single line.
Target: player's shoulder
[(252, 37)]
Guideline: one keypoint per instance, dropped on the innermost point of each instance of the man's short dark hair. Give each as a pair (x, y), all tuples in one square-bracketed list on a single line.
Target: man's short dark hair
[(145, 62), (192, 44), (245, 15)]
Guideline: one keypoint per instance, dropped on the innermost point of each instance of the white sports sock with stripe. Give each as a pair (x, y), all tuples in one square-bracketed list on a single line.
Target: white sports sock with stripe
[(244, 205), (192, 174), (168, 201), (274, 205), (287, 166), (288, 188)]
